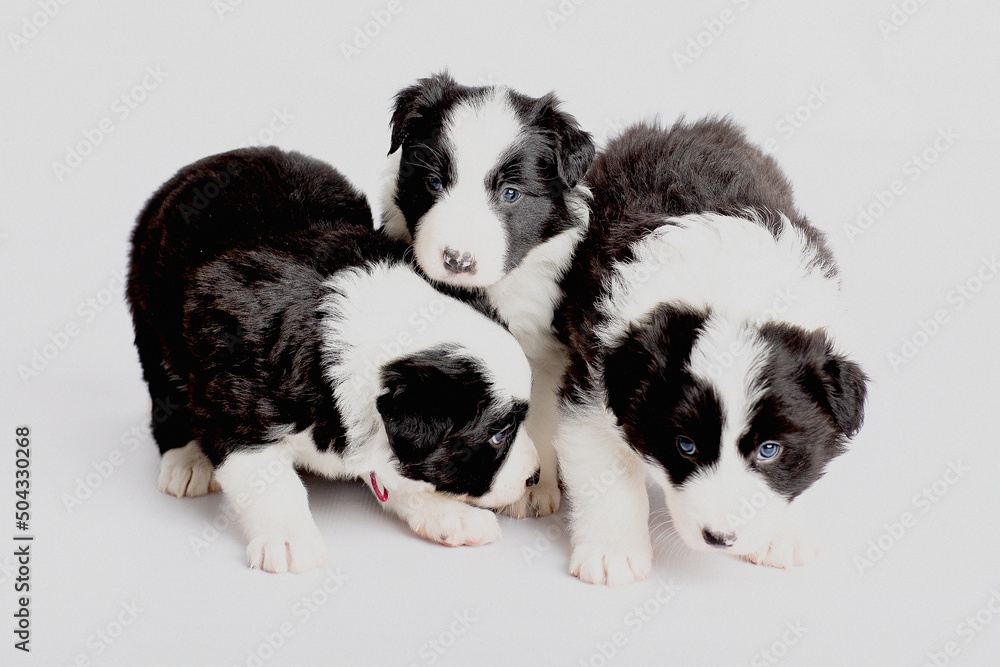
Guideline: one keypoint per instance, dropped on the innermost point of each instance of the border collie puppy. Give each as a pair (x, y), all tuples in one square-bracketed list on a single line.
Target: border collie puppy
[(485, 185), (277, 329), (700, 321)]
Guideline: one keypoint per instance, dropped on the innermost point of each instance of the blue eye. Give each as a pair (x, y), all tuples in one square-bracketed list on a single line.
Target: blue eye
[(510, 195), (768, 450), (500, 436), (686, 445), (434, 183)]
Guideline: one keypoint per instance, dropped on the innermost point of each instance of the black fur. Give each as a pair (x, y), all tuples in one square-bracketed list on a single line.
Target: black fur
[(225, 283)]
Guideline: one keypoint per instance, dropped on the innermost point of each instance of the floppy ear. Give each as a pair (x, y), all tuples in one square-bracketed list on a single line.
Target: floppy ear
[(837, 384), (644, 357), (574, 148), (403, 408), (845, 387), (625, 371), (409, 102)]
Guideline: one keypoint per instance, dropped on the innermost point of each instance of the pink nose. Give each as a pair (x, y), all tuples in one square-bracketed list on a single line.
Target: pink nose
[(457, 262)]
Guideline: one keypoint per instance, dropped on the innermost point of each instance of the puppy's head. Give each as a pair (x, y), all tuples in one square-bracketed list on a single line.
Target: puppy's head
[(453, 423), (483, 177), (741, 417)]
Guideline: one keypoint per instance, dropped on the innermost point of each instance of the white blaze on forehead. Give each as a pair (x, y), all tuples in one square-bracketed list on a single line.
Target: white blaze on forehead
[(729, 357), (479, 133)]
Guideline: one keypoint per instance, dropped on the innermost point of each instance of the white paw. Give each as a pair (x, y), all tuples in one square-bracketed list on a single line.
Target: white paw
[(539, 500), (186, 471), (294, 551), (611, 564), (458, 525), (785, 551)]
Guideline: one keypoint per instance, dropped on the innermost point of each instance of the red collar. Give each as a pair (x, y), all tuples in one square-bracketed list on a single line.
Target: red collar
[(379, 494)]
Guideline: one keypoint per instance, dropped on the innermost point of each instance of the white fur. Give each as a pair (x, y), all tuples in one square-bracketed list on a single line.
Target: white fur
[(609, 506), (730, 357), (271, 504), (732, 265), (186, 471)]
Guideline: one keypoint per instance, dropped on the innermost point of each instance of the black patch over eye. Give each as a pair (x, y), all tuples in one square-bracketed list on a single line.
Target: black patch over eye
[(686, 445), (503, 434)]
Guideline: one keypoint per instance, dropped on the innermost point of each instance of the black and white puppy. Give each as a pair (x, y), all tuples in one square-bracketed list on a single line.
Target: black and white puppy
[(277, 329), (701, 323), (485, 184)]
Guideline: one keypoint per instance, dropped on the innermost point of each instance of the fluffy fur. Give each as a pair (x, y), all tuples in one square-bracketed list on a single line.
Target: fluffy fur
[(485, 185), (701, 322), (278, 330)]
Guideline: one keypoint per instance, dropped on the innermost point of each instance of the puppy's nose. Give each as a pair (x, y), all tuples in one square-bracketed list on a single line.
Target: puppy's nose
[(721, 540), (531, 481), (459, 262)]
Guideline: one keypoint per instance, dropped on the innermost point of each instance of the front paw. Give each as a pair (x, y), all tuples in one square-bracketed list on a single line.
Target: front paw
[(785, 551), (611, 564), (294, 551), (186, 471), (458, 525), (539, 500)]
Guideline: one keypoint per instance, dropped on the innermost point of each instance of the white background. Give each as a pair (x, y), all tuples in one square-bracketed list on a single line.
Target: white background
[(880, 97)]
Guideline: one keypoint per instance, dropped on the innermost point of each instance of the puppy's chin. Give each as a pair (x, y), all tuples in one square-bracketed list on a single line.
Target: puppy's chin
[(751, 518)]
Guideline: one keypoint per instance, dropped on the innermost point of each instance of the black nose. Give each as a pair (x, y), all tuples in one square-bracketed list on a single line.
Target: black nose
[(531, 481), (459, 262), (721, 540)]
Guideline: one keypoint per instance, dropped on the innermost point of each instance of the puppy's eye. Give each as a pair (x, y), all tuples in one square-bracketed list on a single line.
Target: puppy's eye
[(501, 436), (768, 450), (510, 195), (686, 445), (434, 183)]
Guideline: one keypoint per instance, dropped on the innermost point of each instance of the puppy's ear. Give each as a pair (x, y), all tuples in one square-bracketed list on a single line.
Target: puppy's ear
[(404, 411), (626, 371), (410, 101), (645, 357), (844, 391), (573, 147)]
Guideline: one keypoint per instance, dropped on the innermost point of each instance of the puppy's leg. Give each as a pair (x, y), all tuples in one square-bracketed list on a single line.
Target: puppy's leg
[(186, 471), (609, 505), (271, 504), (442, 519), (542, 499)]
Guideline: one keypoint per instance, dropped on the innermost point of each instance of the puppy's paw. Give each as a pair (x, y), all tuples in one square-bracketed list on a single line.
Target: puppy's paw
[(785, 551), (458, 525), (539, 500), (294, 551), (186, 471), (611, 564)]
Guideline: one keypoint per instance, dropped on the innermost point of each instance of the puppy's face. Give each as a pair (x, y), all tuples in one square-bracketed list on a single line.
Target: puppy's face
[(741, 419), (483, 177), (451, 424)]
